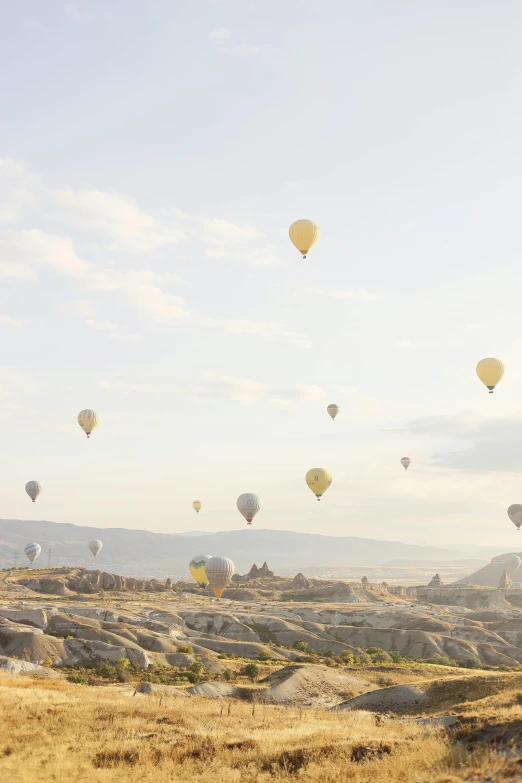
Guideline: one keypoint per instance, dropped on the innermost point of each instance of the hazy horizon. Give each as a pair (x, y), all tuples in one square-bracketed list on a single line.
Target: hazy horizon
[(151, 161)]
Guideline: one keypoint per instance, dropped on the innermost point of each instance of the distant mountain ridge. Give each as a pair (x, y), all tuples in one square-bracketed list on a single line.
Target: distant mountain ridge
[(146, 554)]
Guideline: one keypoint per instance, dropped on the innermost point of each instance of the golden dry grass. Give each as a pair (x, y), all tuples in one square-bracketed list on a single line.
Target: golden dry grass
[(56, 731)]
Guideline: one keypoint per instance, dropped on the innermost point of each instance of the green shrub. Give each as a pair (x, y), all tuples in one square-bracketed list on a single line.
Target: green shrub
[(264, 655), (78, 678), (518, 698), (439, 660), (302, 646), (229, 674), (252, 671), (471, 663), (381, 657), (186, 648)]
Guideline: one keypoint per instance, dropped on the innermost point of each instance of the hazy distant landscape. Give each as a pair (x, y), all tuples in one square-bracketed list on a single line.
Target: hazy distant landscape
[(147, 554)]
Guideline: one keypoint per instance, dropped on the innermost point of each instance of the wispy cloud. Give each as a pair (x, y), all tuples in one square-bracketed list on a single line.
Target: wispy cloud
[(359, 294), (9, 321), (101, 326), (221, 34), (124, 388), (493, 444), (116, 217), (248, 391), (33, 23), (405, 344), (123, 227), (223, 37), (73, 13)]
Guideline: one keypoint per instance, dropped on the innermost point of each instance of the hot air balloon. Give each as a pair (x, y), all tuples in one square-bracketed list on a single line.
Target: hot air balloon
[(490, 372), (197, 505), (219, 571), (88, 421), (304, 234), (405, 462), (318, 479), (333, 410), (513, 561), (197, 569), (515, 515), (33, 489), (95, 546), (32, 551), (249, 504)]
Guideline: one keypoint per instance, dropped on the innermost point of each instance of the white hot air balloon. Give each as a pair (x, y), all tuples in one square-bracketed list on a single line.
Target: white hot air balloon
[(95, 546), (219, 571), (33, 489), (513, 561), (249, 504), (515, 515), (32, 551), (333, 410), (405, 462), (88, 421)]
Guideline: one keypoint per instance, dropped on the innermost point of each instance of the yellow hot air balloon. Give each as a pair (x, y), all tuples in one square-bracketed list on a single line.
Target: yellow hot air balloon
[(490, 372), (333, 410), (304, 234), (318, 479), (197, 569), (88, 421), (197, 506)]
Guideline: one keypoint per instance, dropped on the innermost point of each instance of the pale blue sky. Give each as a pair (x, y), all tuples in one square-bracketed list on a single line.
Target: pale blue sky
[(154, 154)]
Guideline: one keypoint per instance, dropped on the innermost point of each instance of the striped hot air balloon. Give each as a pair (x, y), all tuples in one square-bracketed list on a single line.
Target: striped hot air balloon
[(405, 462), (220, 571), (32, 551)]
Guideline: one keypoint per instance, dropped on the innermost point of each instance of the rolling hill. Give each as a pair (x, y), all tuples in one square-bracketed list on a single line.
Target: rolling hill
[(144, 553)]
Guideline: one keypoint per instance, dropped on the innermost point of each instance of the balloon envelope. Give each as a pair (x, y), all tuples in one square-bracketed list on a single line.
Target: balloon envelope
[(32, 551), (197, 569), (490, 372), (304, 234), (197, 505), (249, 504), (220, 571), (95, 546), (88, 421), (33, 489), (318, 479), (333, 410), (405, 462), (515, 514), (513, 561)]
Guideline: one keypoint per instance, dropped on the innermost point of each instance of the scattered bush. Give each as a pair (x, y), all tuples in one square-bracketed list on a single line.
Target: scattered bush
[(186, 648), (78, 678), (264, 655), (252, 671)]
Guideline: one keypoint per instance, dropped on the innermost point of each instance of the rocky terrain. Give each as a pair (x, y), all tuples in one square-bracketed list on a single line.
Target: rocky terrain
[(422, 671), (76, 617)]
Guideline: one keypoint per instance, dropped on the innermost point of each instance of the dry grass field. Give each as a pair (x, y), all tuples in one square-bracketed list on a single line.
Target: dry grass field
[(57, 731)]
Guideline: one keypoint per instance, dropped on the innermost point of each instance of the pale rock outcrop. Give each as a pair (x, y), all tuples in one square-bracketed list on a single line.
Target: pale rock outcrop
[(300, 582), (398, 699), (35, 617), (436, 581), (506, 583)]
